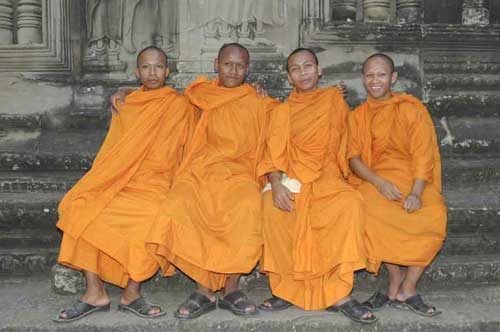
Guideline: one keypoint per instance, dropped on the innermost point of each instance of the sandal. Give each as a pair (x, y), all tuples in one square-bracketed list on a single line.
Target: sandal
[(78, 310), (237, 302), (275, 303), (377, 301), (354, 311), (417, 305), (141, 308), (196, 304)]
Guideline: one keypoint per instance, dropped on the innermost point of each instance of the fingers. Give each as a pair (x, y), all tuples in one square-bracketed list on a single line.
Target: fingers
[(114, 104), (283, 202)]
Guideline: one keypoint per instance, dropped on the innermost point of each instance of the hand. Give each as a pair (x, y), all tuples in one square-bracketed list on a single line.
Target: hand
[(389, 190), (343, 88), (412, 203), (118, 97), (261, 92), (282, 197)]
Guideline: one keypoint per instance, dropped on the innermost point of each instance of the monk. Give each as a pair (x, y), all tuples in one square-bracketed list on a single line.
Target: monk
[(312, 217), (210, 225), (393, 150), (106, 216)]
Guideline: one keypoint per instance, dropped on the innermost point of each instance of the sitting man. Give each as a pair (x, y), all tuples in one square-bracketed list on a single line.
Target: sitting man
[(210, 226), (106, 216), (393, 149), (313, 218)]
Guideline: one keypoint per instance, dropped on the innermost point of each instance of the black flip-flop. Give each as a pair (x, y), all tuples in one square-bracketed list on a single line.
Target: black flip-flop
[(237, 302), (377, 301), (354, 311), (78, 310), (196, 304), (275, 304), (417, 305), (141, 308)]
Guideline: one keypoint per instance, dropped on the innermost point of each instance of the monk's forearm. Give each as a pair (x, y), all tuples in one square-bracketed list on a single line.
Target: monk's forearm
[(274, 177), (418, 187), (361, 170)]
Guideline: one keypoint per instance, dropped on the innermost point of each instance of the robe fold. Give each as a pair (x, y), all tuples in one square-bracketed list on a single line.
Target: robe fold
[(311, 253), (106, 216), (211, 222), (396, 139)]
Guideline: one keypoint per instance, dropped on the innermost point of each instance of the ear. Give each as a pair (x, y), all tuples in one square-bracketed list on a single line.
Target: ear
[(137, 74), (167, 72), (216, 65), (320, 71), (289, 79), (394, 77)]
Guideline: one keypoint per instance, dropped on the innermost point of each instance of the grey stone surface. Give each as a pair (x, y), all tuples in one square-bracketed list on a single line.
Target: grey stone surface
[(464, 309)]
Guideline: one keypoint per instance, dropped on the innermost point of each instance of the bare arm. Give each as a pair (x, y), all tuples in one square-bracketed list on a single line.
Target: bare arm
[(386, 188), (282, 197), (119, 97)]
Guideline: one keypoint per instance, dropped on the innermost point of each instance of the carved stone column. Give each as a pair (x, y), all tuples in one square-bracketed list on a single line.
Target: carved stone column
[(29, 22), (476, 12), (409, 11), (343, 10), (6, 22), (312, 15), (377, 10)]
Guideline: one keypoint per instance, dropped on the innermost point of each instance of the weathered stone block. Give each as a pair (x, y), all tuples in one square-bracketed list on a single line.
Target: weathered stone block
[(65, 280)]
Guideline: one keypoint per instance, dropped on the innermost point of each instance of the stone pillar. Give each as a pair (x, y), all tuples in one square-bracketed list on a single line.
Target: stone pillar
[(312, 15), (409, 11), (29, 22), (343, 10), (6, 22), (476, 12), (377, 10)]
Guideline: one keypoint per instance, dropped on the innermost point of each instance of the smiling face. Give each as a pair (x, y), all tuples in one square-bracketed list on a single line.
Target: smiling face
[(152, 69), (232, 66), (303, 71), (378, 77)]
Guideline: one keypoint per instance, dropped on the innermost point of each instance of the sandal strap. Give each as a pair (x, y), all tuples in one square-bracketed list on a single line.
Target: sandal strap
[(235, 296), (195, 301), (77, 309), (354, 308), (418, 303), (142, 306)]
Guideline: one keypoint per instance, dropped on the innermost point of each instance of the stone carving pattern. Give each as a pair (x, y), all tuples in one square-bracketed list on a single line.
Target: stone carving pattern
[(6, 22), (29, 22), (409, 11), (343, 10), (476, 12), (245, 21), (376, 10)]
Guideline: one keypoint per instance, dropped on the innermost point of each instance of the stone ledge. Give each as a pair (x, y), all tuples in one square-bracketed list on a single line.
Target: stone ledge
[(468, 309)]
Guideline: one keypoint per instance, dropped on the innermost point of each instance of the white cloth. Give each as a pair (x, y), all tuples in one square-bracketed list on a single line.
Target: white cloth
[(293, 185)]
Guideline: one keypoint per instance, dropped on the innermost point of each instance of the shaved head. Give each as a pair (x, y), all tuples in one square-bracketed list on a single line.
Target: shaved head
[(152, 49), (382, 56), (233, 45), (298, 50)]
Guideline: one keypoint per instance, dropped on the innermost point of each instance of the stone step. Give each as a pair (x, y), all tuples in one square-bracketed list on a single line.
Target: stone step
[(27, 261), (472, 209), (456, 173), (78, 120), (18, 182), (30, 238), (464, 310)]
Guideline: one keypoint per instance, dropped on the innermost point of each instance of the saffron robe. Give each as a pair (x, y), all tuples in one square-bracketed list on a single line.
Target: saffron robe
[(395, 138), (211, 222), (106, 216), (311, 253)]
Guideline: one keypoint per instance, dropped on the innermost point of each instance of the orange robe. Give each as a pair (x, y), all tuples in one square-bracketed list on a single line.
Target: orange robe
[(106, 216), (311, 254), (210, 224), (395, 138)]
